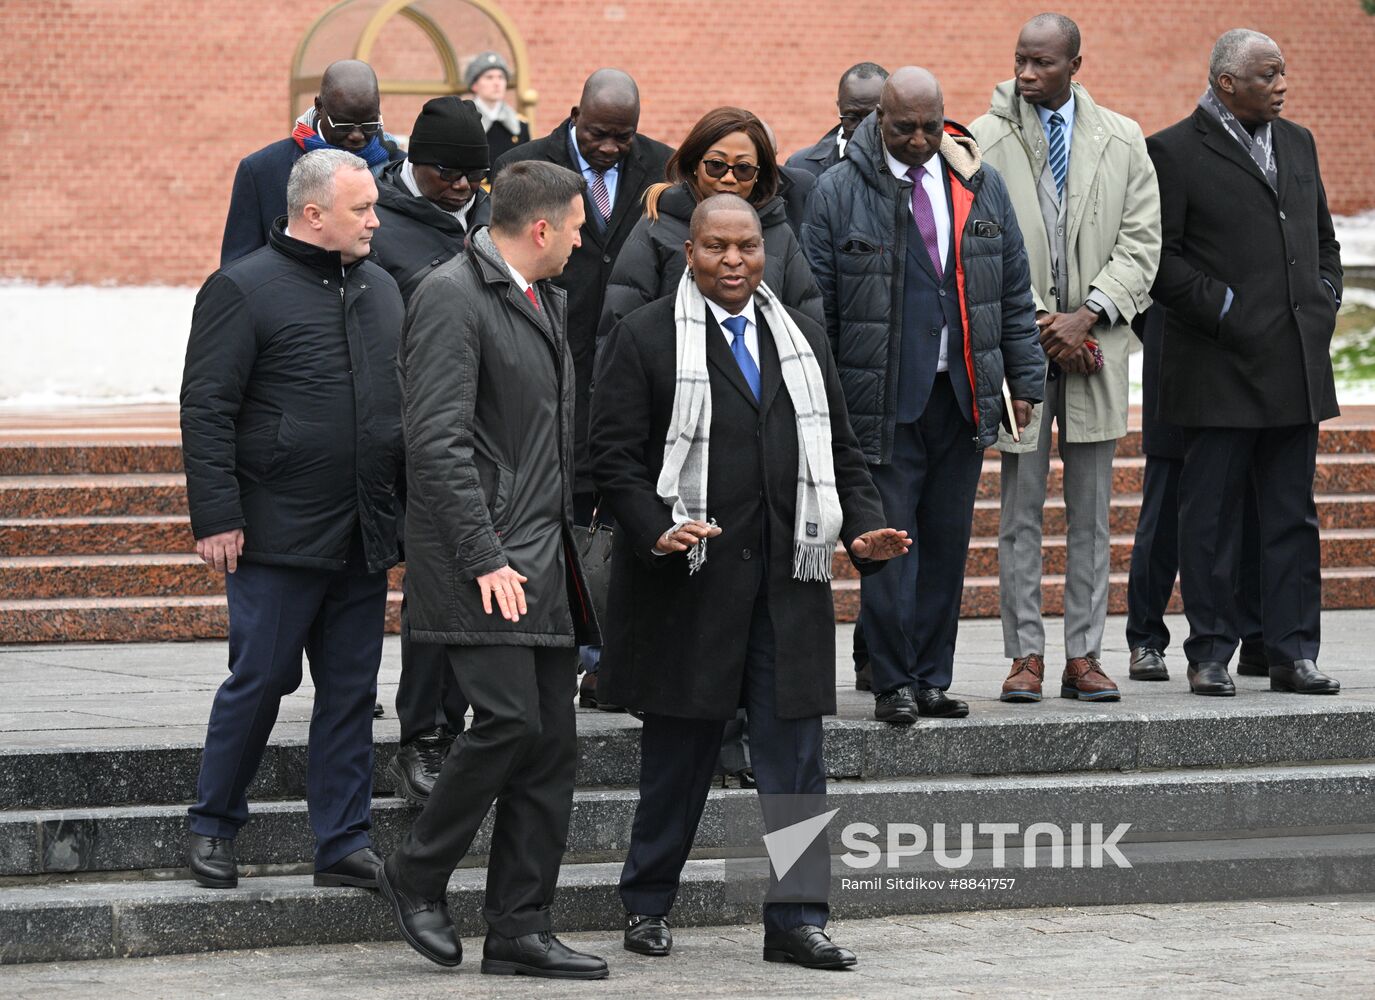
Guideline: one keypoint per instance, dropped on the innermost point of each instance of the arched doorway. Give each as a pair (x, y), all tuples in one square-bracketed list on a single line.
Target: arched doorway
[(419, 49)]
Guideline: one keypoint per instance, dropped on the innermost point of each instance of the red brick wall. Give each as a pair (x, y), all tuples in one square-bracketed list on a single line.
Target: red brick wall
[(127, 117)]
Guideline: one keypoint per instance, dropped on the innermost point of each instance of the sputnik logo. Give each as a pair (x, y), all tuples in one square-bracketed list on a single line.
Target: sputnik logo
[(788, 844)]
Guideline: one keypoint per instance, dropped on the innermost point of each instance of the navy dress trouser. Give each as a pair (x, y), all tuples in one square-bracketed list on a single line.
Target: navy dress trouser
[(677, 762), (275, 614), (911, 611)]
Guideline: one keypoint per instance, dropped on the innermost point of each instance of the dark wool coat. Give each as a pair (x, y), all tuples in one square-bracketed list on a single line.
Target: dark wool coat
[(589, 268), (415, 236), (856, 236), (488, 406), (819, 157), (1266, 364), (675, 643), (653, 263), (290, 409)]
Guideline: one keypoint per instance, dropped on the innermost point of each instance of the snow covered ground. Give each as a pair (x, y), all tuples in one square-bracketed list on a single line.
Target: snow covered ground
[(62, 346)]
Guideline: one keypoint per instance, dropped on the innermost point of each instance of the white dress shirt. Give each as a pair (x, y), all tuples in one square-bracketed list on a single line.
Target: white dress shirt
[(934, 184), (751, 327)]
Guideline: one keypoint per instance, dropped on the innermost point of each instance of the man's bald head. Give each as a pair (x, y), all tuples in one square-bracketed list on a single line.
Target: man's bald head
[(911, 115), (707, 207), (606, 118), (349, 107), (1057, 26)]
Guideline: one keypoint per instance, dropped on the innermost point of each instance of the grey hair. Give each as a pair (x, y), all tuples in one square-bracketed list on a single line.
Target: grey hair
[(312, 178), (1231, 49)]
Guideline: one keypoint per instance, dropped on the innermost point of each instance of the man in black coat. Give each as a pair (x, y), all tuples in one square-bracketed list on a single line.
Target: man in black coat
[(709, 606), (488, 404), (927, 292), (1251, 276), (856, 98), (291, 432), (347, 115), (427, 204)]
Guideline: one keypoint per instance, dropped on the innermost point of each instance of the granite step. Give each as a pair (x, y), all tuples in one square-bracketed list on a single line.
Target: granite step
[(144, 493), (100, 456), (160, 917), (143, 575), (128, 619), (1162, 805), (1343, 588), (157, 767)]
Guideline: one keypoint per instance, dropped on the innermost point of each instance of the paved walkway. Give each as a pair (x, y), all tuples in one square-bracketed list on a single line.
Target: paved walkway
[(160, 694), (1279, 948)]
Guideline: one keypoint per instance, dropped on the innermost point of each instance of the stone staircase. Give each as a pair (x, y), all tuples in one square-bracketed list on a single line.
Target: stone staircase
[(95, 544), (1246, 800)]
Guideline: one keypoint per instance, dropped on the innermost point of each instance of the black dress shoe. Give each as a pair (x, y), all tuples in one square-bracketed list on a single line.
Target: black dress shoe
[(864, 677), (1302, 677), (933, 703), (1147, 664), (1211, 677), (359, 869), (896, 707), (377, 710), (416, 766), (212, 861), (424, 923), (648, 935), (539, 954), (1251, 660), (809, 947)]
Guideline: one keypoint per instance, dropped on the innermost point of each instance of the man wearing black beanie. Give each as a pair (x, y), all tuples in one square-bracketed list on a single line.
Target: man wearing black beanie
[(427, 205)]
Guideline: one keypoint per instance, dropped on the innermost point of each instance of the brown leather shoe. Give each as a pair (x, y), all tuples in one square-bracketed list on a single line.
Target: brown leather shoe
[(1024, 682), (1084, 678)]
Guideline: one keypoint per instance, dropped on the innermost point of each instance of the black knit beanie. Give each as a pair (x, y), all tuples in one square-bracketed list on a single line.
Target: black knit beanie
[(449, 133)]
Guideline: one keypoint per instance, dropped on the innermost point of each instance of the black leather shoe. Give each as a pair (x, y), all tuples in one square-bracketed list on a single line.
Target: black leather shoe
[(539, 954), (359, 869), (1147, 664), (896, 707), (809, 947), (424, 923), (648, 935), (864, 677), (377, 710), (416, 766), (933, 703), (1251, 661), (1211, 677), (212, 861), (1302, 677)]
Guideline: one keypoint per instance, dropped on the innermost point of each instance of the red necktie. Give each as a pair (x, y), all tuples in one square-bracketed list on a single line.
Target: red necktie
[(530, 294)]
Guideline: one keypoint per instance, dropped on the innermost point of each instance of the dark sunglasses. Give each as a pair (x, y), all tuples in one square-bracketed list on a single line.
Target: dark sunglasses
[(452, 175), (367, 128), (716, 169)]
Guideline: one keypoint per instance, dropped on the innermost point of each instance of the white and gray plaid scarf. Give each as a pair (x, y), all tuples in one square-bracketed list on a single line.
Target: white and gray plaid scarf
[(683, 478), (1260, 147)]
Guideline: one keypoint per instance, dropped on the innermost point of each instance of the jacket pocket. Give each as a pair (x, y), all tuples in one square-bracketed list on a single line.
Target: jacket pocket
[(860, 253), (497, 482)]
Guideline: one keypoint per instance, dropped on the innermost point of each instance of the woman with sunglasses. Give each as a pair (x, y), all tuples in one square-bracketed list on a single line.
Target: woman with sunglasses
[(728, 151)]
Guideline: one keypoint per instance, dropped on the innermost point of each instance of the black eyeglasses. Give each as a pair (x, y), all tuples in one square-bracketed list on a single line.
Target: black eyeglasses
[(852, 121), (452, 175), (367, 128), (716, 169)]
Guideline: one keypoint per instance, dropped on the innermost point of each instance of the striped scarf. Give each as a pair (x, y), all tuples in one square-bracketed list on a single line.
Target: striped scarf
[(683, 479), (307, 136), (1260, 147)]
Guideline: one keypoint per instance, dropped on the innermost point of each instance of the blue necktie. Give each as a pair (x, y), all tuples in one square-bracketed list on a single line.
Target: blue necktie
[(1059, 157), (736, 326)]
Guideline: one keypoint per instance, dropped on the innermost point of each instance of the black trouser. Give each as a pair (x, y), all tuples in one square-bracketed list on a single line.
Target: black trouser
[(1279, 464), (677, 759), (911, 611), (275, 614), (520, 753), (426, 695)]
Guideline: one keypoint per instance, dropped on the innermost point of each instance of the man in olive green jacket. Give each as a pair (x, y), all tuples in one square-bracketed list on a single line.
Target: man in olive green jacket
[(1086, 199)]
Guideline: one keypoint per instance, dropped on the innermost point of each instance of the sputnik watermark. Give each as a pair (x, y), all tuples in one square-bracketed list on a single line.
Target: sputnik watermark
[(910, 840)]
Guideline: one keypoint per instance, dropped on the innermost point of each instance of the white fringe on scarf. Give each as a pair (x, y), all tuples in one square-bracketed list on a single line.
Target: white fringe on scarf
[(683, 479)]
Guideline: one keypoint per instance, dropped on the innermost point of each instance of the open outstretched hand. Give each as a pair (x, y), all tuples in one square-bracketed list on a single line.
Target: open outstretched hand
[(880, 544)]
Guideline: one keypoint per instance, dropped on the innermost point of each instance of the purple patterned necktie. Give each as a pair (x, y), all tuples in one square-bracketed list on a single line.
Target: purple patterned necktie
[(925, 218), (600, 195)]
